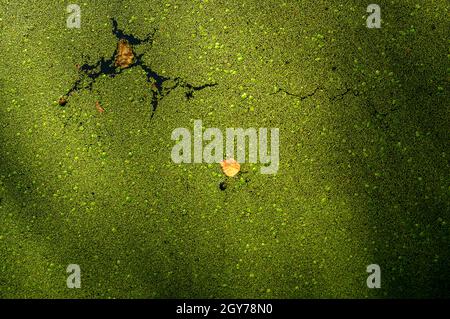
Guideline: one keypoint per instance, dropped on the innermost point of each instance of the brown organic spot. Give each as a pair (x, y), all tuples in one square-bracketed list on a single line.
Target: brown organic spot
[(62, 101), (125, 56)]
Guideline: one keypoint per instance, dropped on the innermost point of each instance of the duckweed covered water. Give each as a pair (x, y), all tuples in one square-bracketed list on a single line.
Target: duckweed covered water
[(364, 151)]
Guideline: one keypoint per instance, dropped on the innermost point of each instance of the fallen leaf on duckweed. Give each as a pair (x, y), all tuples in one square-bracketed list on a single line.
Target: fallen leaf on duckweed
[(230, 167)]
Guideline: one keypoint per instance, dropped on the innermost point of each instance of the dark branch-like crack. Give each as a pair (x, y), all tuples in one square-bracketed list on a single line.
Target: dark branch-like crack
[(337, 97), (301, 97), (160, 86), (343, 94)]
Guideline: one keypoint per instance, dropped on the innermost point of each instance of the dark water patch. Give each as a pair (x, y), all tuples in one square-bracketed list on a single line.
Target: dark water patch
[(160, 86)]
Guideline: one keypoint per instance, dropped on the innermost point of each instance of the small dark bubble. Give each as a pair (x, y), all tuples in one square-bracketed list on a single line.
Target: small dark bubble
[(108, 67), (334, 68), (223, 186)]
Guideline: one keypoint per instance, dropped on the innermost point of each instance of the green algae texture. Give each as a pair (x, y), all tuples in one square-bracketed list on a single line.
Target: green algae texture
[(364, 176)]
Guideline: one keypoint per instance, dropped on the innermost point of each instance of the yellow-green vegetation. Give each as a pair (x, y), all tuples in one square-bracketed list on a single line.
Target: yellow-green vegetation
[(364, 151)]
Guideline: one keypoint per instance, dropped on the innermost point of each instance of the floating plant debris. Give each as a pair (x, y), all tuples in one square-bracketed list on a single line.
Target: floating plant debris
[(99, 107), (230, 167), (223, 186), (124, 57)]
